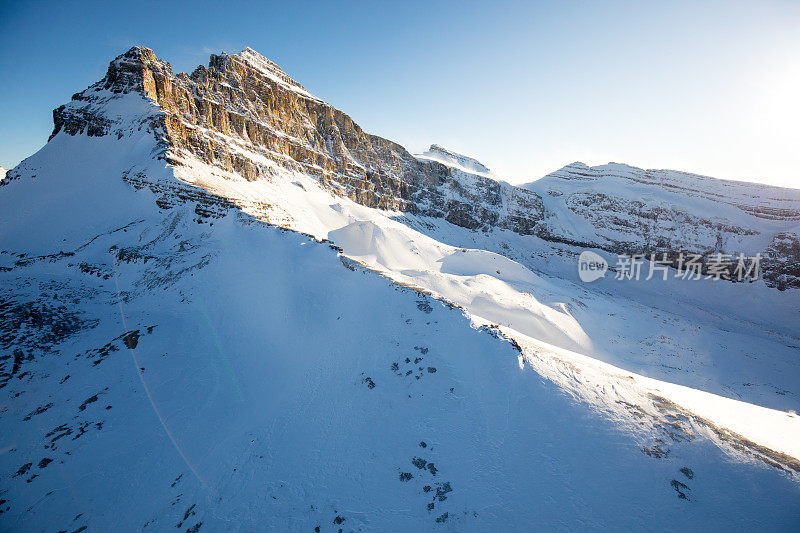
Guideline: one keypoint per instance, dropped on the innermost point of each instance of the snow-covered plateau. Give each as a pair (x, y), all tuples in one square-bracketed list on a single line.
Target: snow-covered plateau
[(223, 306)]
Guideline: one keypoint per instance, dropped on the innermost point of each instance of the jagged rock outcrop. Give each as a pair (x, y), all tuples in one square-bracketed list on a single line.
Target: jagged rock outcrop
[(782, 261)]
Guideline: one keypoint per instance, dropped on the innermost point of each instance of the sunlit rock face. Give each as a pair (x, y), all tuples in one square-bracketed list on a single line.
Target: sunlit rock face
[(242, 114)]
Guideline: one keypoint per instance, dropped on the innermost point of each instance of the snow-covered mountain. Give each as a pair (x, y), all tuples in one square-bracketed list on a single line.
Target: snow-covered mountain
[(620, 208), (416, 353), (2, 173), (454, 160)]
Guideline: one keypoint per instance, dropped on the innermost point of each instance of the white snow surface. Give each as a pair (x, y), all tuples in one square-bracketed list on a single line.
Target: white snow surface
[(549, 312), (277, 384)]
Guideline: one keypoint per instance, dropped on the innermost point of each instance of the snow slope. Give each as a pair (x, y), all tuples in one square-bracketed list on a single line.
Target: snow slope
[(172, 356), (493, 289), (265, 382)]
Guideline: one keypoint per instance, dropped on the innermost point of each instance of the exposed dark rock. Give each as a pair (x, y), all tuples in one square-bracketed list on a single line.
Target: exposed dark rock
[(131, 339), (680, 488)]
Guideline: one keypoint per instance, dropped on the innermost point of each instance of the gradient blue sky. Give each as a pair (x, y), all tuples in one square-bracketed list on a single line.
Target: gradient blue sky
[(526, 87)]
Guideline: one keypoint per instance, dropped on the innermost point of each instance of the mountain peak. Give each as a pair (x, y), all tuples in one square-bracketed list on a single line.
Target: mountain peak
[(268, 68), (137, 55), (453, 159)]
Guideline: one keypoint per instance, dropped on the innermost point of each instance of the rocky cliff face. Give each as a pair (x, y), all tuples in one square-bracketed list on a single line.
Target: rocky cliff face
[(242, 114)]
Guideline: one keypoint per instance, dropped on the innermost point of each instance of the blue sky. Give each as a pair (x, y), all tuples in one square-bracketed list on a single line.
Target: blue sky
[(526, 87)]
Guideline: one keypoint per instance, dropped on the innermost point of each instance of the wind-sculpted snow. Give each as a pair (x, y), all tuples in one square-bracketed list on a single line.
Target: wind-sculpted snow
[(175, 358)]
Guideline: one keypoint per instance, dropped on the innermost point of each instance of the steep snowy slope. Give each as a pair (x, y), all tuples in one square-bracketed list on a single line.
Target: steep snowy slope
[(672, 332), (171, 360)]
